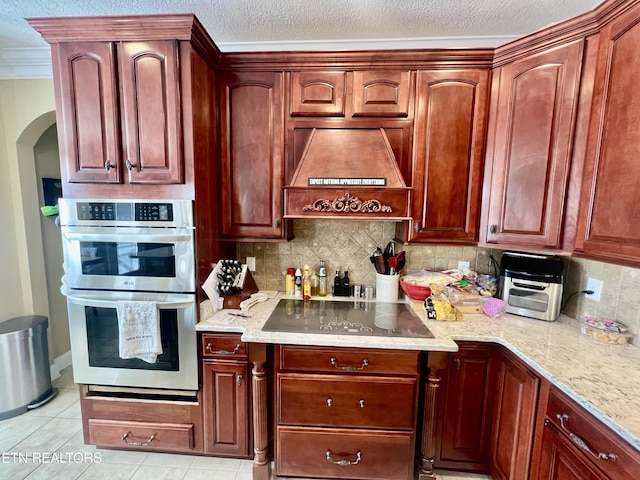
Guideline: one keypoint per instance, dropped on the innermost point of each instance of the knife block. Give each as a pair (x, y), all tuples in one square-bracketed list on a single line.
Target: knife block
[(249, 287)]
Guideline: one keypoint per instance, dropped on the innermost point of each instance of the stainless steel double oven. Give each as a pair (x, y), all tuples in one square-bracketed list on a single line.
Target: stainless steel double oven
[(130, 250)]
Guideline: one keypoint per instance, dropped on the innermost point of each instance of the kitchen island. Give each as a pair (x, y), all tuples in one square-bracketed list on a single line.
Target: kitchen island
[(603, 379)]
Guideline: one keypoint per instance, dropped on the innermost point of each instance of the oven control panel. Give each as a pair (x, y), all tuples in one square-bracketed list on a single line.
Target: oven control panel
[(125, 212)]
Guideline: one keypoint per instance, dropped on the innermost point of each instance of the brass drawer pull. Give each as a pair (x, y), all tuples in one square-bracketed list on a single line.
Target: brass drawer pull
[(209, 348), (344, 463), (349, 368), (581, 443), (138, 444)]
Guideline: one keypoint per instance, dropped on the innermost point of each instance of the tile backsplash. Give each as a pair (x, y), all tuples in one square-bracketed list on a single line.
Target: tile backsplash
[(348, 244)]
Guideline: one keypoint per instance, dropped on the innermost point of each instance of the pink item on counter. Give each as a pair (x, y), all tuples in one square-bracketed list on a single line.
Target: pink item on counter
[(494, 307)]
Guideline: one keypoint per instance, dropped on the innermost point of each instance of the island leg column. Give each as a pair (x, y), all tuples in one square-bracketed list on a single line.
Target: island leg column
[(436, 365), (261, 461)]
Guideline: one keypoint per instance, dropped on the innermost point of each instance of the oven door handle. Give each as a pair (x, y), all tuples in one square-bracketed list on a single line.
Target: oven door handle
[(93, 302), (123, 237)]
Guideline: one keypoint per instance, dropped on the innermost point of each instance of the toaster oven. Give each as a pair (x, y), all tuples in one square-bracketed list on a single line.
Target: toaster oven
[(531, 284)]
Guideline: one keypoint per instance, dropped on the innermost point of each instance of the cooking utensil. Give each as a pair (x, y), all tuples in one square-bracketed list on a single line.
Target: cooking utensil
[(401, 260), (393, 265)]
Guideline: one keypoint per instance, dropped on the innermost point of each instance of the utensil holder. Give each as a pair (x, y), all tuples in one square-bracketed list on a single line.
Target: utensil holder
[(387, 287)]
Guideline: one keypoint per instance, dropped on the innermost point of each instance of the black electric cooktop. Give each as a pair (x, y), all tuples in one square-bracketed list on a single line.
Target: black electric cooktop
[(346, 318)]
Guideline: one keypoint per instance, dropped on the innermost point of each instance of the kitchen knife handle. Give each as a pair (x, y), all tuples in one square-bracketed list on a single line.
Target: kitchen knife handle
[(381, 268)]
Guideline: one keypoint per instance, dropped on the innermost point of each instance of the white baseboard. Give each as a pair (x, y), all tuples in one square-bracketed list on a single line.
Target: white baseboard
[(59, 364)]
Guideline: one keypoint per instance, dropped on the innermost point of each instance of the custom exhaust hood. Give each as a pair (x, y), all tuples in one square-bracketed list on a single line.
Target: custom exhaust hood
[(348, 173)]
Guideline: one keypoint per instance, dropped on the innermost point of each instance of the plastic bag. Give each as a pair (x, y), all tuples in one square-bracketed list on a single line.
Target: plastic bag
[(438, 307), (426, 278)]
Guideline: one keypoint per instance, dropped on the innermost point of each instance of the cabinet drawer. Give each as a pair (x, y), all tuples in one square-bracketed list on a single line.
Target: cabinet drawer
[(347, 360), (141, 435), (223, 345), (346, 401), (363, 454), (570, 418)]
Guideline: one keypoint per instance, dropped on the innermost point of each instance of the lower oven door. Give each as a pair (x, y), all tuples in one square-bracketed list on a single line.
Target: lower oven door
[(93, 325)]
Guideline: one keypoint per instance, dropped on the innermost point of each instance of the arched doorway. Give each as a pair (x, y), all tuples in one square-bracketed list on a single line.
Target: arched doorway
[(38, 158)]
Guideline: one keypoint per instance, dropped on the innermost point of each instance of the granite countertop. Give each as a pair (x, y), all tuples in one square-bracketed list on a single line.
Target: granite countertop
[(604, 379)]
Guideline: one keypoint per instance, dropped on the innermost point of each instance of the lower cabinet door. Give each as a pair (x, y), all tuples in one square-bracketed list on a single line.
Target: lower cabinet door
[(559, 460), (513, 420), (344, 453), (226, 408)]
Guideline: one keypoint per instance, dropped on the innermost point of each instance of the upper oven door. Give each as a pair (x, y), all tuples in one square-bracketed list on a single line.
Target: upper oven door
[(129, 258)]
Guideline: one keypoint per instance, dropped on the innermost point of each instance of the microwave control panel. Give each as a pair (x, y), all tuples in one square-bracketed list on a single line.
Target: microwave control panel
[(125, 212)]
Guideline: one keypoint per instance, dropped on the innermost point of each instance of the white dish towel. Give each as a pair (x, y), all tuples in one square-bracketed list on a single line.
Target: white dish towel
[(139, 330)]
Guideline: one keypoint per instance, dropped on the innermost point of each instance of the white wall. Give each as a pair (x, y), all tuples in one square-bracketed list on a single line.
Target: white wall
[(27, 109)]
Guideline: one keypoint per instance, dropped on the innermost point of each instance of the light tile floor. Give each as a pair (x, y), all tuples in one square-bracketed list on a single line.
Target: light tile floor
[(55, 428)]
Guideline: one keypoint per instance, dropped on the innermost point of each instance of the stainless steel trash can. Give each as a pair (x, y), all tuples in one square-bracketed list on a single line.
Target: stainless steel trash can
[(25, 378)]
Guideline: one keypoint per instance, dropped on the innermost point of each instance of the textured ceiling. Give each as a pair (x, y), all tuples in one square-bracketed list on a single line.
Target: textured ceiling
[(232, 22)]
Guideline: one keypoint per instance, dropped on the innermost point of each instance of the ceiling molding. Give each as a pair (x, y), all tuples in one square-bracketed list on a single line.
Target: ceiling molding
[(25, 63), (31, 63), (369, 44)]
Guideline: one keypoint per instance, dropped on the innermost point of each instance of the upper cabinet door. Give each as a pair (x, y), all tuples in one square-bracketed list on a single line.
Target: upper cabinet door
[(381, 93), (252, 122), (151, 112), (448, 155), (608, 226), (317, 94), (88, 115), (530, 146)]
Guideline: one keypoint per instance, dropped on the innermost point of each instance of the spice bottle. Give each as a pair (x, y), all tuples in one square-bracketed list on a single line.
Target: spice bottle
[(346, 287), (322, 279), (306, 283), (337, 285), (314, 284), (289, 285), (298, 284)]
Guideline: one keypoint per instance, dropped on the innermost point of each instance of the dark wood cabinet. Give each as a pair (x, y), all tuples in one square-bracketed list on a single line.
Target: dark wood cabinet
[(120, 112), (252, 125), (152, 422), (514, 419), (345, 412), (88, 124), (448, 161), (529, 147), (360, 93), (465, 408), (381, 93), (317, 93), (561, 461), (575, 444), (611, 187), (225, 395)]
